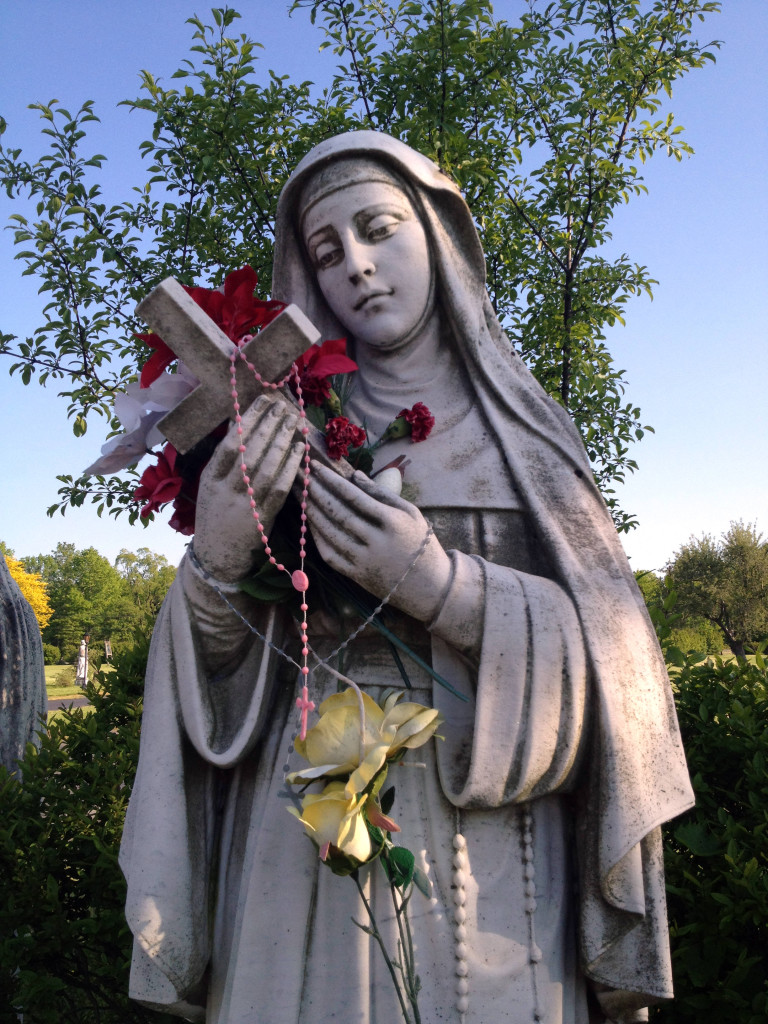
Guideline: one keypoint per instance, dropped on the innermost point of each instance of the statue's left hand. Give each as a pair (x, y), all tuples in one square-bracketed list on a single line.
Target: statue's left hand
[(373, 537)]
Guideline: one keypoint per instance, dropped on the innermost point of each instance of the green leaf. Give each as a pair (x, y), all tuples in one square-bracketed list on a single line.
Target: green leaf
[(399, 864), (696, 838)]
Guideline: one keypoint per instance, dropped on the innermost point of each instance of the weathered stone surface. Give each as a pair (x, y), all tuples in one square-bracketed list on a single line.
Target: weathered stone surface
[(194, 337), (22, 674)]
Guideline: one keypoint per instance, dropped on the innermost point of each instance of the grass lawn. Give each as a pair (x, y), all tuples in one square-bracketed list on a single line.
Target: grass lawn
[(60, 681)]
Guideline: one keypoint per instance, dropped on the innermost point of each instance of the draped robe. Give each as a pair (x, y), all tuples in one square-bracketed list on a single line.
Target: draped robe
[(569, 731)]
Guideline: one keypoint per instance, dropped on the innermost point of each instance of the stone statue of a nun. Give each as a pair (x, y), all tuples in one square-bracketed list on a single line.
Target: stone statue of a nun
[(557, 771)]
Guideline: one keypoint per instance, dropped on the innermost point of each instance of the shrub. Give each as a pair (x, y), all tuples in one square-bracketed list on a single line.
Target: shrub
[(700, 636), (717, 854), (51, 654), (66, 677), (64, 945)]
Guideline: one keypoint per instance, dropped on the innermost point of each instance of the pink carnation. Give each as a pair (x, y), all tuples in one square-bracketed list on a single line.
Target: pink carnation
[(341, 435), (420, 420)]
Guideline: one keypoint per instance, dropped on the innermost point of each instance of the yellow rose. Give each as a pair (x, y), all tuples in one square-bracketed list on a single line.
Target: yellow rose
[(331, 818), (336, 745)]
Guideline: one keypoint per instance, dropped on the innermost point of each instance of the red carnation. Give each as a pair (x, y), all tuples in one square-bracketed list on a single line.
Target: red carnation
[(160, 483), (319, 363), (420, 420), (341, 435)]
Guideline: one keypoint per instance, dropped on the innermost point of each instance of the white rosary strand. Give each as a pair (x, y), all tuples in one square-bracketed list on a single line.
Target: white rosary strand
[(529, 875), (461, 970)]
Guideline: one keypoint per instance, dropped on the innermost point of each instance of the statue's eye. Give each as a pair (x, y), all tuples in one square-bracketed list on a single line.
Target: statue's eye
[(328, 254), (381, 226)]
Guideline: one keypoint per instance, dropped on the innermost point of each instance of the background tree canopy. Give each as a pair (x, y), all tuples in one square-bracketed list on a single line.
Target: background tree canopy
[(90, 595), (544, 125), (31, 585), (725, 583)]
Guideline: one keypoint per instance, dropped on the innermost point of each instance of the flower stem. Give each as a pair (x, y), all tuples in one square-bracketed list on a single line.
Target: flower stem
[(406, 950), (377, 936)]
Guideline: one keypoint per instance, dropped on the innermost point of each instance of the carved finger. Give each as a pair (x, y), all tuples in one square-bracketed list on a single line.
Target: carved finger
[(330, 490), (227, 454), (382, 495), (267, 448), (331, 535)]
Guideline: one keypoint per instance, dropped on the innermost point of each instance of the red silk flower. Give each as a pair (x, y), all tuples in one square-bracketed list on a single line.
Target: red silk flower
[(184, 508), (160, 483), (319, 363), (157, 362), (341, 435), (235, 310)]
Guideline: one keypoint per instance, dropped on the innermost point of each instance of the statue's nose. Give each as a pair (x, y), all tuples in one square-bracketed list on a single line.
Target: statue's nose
[(359, 262)]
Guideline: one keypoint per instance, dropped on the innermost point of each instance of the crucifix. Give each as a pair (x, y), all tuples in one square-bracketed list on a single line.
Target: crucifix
[(193, 337)]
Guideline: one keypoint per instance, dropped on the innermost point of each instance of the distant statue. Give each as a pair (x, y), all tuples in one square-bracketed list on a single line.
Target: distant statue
[(81, 666), (23, 701), (552, 778)]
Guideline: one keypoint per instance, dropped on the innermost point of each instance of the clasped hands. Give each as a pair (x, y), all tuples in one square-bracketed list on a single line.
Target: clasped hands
[(361, 530)]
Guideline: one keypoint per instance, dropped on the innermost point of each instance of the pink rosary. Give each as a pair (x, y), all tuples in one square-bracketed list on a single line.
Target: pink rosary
[(298, 577)]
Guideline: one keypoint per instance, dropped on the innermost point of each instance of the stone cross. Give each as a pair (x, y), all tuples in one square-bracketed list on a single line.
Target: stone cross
[(193, 337)]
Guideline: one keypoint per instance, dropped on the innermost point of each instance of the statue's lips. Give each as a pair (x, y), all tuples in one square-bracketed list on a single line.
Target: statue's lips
[(371, 295)]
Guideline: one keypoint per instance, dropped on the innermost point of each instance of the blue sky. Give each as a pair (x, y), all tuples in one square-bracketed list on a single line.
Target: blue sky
[(695, 358)]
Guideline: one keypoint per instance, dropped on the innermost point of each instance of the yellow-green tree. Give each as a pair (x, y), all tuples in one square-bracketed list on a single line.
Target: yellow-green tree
[(32, 585)]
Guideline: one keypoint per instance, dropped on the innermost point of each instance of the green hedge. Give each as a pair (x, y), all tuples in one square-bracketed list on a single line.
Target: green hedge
[(716, 855), (51, 654), (64, 944)]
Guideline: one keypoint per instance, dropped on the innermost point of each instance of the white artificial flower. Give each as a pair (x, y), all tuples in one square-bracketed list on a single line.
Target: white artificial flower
[(139, 410)]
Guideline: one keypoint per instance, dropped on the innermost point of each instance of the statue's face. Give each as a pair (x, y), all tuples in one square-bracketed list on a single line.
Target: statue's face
[(371, 256)]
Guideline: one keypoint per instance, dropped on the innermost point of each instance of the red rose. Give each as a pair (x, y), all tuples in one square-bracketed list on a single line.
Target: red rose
[(420, 420), (319, 363), (160, 483), (341, 435)]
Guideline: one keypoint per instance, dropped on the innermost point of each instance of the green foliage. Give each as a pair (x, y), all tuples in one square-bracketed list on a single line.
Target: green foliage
[(725, 582), (66, 677), (149, 577), (544, 124), (88, 594), (64, 945), (51, 654), (699, 636), (717, 854)]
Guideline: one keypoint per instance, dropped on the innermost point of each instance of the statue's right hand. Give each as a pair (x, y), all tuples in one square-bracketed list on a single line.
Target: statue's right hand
[(227, 542)]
